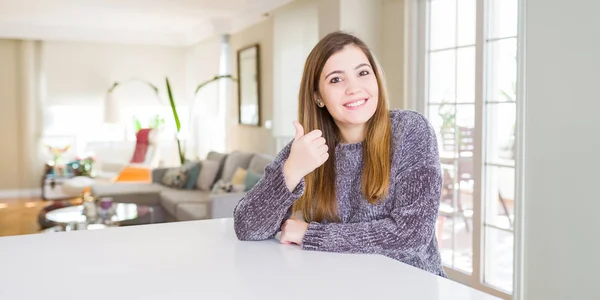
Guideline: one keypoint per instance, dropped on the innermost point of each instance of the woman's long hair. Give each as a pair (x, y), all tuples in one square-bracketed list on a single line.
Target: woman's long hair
[(318, 203)]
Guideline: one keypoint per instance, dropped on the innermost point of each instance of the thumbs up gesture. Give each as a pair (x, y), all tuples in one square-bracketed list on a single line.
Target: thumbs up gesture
[(308, 152)]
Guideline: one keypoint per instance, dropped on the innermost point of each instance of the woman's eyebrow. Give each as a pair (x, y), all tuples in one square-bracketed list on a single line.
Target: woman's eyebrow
[(341, 72), (362, 65)]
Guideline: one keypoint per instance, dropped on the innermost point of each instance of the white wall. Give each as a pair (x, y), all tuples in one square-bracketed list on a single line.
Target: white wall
[(257, 139), (364, 18), (206, 131), (295, 33), (82, 72), (392, 51), (562, 170)]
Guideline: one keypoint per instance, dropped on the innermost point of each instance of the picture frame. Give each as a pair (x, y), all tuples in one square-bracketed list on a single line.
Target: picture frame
[(249, 96)]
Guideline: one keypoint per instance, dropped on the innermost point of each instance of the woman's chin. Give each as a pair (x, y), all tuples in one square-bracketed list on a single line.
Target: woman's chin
[(359, 118)]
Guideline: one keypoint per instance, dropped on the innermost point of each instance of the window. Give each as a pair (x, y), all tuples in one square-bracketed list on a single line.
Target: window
[(80, 125), (468, 92)]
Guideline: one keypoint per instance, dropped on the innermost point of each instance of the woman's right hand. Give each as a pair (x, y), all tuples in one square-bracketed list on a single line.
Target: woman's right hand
[(307, 153)]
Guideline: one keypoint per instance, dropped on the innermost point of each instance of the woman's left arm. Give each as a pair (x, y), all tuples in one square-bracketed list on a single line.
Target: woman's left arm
[(408, 229), (410, 226)]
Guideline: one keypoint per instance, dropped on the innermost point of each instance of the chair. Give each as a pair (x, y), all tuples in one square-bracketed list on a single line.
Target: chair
[(146, 150), (462, 160), (145, 157), (457, 167)]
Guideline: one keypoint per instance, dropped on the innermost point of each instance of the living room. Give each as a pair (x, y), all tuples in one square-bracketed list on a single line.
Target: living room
[(128, 119), (84, 93)]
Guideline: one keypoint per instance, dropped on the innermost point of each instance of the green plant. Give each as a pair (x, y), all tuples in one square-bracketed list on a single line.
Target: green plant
[(177, 123), (155, 123), (510, 96), (174, 108), (448, 115), (116, 84), (137, 124)]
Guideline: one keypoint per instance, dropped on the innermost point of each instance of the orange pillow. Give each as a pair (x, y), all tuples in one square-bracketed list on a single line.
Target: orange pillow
[(133, 174)]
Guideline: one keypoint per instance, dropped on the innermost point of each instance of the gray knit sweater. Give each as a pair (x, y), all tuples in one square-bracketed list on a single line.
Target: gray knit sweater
[(402, 226)]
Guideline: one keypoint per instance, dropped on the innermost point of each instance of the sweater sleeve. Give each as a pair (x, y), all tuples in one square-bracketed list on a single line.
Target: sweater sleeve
[(409, 227), (261, 212)]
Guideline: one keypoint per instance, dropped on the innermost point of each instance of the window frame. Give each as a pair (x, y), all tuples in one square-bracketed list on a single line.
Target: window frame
[(416, 95)]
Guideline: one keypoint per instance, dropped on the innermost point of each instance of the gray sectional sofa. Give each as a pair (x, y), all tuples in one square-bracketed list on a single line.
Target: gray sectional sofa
[(173, 204)]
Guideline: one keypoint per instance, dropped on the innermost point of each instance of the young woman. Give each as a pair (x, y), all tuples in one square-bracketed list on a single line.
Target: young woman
[(357, 178)]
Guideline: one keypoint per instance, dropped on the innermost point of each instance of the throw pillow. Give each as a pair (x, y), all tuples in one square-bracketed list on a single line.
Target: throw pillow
[(208, 174), (251, 179), (192, 169), (174, 177), (222, 187), (239, 176)]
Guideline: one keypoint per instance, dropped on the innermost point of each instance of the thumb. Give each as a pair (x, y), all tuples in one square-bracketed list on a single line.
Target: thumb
[(299, 130)]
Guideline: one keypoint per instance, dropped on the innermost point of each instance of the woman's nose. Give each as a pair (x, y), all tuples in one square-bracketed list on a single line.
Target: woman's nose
[(352, 87)]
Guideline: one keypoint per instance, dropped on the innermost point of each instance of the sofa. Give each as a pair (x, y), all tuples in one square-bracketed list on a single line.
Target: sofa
[(180, 204)]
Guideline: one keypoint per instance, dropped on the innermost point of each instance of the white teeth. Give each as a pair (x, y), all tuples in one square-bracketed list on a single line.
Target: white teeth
[(357, 103)]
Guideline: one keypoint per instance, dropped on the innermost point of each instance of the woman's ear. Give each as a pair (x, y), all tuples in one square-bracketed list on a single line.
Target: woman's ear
[(316, 96), (318, 100)]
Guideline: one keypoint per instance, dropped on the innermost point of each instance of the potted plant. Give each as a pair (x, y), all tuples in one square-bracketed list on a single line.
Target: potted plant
[(176, 115)]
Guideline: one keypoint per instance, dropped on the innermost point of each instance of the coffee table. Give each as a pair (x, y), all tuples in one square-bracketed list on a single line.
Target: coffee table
[(74, 217)]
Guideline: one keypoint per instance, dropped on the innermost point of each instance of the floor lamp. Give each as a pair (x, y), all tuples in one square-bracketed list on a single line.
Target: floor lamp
[(111, 106)]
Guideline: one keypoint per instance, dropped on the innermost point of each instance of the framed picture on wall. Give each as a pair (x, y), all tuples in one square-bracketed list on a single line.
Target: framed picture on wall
[(248, 70)]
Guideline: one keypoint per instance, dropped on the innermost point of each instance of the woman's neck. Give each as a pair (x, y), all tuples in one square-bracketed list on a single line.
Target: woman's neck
[(352, 134)]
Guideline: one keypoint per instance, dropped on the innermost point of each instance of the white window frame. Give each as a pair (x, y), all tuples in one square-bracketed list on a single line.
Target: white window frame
[(416, 36)]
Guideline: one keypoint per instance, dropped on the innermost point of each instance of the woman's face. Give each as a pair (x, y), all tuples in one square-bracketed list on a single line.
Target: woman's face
[(348, 87)]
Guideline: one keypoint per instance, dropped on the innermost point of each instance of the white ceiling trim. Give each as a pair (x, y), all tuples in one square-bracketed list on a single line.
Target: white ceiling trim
[(35, 25), (60, 33)]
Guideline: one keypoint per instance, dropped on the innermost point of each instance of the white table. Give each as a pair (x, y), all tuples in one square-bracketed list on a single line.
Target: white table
[(201, 260)]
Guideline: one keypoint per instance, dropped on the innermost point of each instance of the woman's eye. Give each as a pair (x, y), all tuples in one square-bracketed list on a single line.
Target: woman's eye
[(363, 73), (335, 80)]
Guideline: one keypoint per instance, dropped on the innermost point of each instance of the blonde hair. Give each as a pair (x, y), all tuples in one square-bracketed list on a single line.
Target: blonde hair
[(319, 203)]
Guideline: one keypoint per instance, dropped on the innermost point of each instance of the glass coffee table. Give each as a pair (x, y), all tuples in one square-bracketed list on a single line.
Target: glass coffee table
[(77, 218)]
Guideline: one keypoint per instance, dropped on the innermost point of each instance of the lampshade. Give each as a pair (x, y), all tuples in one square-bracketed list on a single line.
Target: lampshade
[(111, 109)]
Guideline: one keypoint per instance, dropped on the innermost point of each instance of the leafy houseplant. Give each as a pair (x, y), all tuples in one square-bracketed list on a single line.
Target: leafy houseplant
[(174, 108), (448, 115), (157, 121)]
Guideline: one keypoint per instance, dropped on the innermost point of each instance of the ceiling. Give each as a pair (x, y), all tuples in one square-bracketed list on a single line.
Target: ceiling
[(160, 22)]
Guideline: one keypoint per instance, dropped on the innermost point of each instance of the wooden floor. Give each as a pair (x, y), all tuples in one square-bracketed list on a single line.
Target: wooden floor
[(19, 216)]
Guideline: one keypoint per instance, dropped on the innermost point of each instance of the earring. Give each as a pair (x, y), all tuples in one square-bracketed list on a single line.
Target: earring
[(320, 103)]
